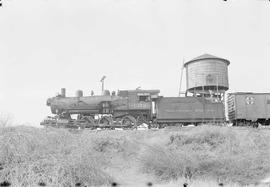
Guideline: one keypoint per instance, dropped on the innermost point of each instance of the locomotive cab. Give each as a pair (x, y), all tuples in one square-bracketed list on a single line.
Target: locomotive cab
[(138, 103)]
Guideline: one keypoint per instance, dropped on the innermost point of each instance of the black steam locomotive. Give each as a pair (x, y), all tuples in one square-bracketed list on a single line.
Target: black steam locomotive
[(130, 109)]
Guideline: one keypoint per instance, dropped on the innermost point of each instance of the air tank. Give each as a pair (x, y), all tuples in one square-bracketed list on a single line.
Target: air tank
[(207, 74), (79, 93), (106, 92)]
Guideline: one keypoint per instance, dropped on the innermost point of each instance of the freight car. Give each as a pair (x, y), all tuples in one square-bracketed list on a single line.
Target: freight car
[(247, 108), (188, 110)]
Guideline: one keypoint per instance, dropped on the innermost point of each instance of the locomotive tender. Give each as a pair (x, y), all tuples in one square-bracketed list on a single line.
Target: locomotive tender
[(189, 110)]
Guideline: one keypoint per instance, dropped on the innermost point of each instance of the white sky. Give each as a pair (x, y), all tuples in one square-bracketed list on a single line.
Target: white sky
[(49, 44)]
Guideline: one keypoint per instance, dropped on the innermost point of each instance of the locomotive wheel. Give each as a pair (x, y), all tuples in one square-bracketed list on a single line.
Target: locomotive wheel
[(129, 121), (106, 120), (89, 119), (141, 119)]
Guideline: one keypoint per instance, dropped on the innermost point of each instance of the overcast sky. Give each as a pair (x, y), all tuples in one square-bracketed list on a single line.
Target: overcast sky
[(49, 44)]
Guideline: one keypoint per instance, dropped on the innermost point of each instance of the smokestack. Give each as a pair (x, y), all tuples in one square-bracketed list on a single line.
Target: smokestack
[(63, 92)]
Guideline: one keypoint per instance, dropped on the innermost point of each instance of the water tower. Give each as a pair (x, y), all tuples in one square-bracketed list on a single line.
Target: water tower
[(207, 76)]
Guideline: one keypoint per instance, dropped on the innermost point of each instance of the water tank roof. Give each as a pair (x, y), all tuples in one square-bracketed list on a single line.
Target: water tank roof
[(207, 56)]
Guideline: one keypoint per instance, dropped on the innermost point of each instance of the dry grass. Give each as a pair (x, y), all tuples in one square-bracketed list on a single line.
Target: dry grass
[(207, 152), (55, 157)]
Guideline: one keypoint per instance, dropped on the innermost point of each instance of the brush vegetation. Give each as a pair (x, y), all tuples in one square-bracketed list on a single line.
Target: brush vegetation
[(31, 156), (59, 157), (224, 154)]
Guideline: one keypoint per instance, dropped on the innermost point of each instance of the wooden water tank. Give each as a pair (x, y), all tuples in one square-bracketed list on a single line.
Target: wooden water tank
[(206, 73), (63, 92)]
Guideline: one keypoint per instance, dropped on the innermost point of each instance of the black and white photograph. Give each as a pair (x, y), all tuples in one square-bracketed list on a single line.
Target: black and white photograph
[(135, 93)]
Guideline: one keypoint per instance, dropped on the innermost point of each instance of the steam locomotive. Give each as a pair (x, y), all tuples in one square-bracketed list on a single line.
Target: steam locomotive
[(130, 109)]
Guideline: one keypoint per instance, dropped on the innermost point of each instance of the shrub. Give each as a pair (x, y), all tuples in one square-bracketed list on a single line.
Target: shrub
[(231, 155), (53, 157)]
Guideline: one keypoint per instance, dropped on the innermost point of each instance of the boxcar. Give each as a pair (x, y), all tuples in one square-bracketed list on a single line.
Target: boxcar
[(246, 107), (188, 110)]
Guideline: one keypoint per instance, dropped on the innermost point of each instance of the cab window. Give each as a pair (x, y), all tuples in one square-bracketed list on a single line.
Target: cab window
[(143, 98)]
